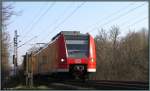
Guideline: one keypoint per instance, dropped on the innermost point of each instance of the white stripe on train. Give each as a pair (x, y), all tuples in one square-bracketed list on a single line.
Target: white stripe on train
[(67, 70), (91, 70)]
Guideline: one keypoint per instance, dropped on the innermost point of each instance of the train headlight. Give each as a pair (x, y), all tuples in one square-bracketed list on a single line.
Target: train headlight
[(62, 60), (92, 60)]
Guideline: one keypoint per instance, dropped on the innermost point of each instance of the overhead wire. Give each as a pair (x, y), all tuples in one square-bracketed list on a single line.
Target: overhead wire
[(27, 41), (44, 13), (121, 15), (58, 18), (128, 20), (32, 22), (112, 14), (66, 18), (138, 21)]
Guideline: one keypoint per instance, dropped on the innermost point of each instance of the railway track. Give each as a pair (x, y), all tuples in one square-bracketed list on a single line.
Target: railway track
[(95, 85), (53, 84), (104, 85)]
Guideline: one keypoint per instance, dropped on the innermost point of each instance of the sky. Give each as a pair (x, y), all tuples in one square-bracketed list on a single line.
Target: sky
[(38, 22)]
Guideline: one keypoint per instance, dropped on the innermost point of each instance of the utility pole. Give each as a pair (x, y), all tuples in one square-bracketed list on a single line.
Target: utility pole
[(15, 56)]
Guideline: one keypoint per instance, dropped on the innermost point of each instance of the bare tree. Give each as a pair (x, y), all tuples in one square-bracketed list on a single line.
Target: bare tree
[(113, 35), (4, 37), (123, 58), (7, 12), (102, 52), (135, 48)]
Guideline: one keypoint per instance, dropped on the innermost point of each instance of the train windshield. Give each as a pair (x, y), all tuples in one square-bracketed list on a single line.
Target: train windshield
[(77, 46)]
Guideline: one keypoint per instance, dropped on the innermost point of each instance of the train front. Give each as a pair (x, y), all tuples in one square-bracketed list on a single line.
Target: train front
[(81, 55)]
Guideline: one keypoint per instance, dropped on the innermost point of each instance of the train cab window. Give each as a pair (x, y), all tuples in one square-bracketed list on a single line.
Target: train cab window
[(77, 50), (77, 47)]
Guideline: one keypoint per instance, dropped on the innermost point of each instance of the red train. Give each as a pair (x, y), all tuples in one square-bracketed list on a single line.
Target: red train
[(68, 52)]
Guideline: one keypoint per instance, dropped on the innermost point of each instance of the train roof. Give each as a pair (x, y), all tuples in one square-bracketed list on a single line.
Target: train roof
[(68, 33), (45, 46), (56, 36)]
